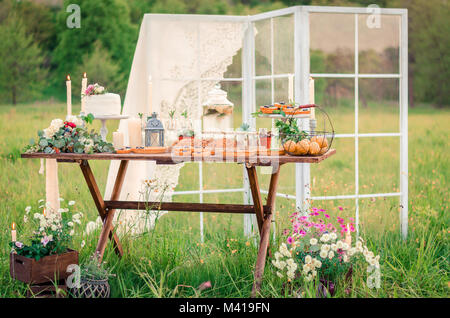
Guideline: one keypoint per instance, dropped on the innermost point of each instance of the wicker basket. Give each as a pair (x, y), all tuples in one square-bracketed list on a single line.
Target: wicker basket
[(90, 288)]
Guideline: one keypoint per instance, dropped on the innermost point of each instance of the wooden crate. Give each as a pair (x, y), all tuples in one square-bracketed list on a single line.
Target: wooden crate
[(30, 271), (48, 290)]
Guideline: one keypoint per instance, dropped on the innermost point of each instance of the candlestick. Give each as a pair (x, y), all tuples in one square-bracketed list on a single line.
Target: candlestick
[(150, 95), (291, 89), (312, 97), (134, 132), (13, 233), (118, 140), (83, 90), (51, 184), (69, 95)]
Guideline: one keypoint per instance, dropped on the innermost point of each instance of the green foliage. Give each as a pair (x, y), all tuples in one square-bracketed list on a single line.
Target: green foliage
[(21, 71), (289, 130), (95, 270), (107, 22)]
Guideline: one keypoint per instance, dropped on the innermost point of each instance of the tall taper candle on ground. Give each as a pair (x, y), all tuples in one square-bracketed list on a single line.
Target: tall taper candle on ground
[(13, 233), (83, 90), (69, 95)]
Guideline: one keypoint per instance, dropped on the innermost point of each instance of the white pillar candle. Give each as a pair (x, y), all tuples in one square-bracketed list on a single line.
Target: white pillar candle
[(69, 96), (118, 140), (150, 96), (83, 90), (51, 184), (13, 233), (291, 89), (312, 97), (134, 132)]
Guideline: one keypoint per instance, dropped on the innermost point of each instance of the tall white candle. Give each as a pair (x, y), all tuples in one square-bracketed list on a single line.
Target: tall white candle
[(13, 233), (291, 89), (51, 184), (69, 96), (118, 140), (134, 132), (150, 95), (83, 90), (312, 97)]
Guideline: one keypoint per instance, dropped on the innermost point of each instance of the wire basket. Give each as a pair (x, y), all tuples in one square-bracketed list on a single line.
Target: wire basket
[(309, 142)]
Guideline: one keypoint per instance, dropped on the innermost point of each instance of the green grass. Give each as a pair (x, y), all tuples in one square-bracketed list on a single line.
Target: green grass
[(171, 261)]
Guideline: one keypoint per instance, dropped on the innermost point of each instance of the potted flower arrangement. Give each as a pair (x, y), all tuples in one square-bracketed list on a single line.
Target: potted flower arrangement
[(321, 252), (93, 280), (46, 254), (69, 136)]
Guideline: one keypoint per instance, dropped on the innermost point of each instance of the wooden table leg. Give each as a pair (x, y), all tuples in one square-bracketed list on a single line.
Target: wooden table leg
[(107, 223), (256, 195), (98, 200), (266, 223)]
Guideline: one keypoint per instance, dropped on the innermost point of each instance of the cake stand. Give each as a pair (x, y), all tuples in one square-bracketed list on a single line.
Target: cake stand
[(104, 118)]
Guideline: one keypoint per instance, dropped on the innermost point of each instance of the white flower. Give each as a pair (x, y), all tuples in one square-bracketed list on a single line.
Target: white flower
[(345, 246), (290, 274), (71, 232), (323, 254), (28, 209), (70, 224), (314, 273), (308, 259), (38, 216), (317, 263), (331, 255), (352, 251), (279, 275), (61, 199), (325, 237), (71, 202), (313, 241), (308, 278), (333, 236), (345, 258), (25, 219), (54, 227), (83, 243), (339, 244), (333, 247), (325, 247), (41, 200), (358, 245), (277, 254)]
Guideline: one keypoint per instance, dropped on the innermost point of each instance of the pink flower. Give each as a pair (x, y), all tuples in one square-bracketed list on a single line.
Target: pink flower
[(204, 285), (340, 208), (327, 216), (45, 240), (19, 244), (290, 240)]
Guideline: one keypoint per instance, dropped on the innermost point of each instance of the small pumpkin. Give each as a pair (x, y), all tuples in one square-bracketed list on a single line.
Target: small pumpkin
[(302, 147), (290, 146), (321, 140), (314, 148), (323, 150)]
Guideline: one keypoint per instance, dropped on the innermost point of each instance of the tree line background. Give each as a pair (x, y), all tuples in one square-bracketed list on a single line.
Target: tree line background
[(37, 50)]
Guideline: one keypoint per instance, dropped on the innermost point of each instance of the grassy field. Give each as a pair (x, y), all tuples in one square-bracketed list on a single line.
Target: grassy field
[(167, 261)]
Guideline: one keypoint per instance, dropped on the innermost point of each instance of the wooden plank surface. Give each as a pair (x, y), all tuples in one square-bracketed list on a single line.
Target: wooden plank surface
[(182, 206), (168, 158)]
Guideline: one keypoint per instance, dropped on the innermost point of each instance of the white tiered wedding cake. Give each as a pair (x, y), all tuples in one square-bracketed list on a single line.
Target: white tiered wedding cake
[(99, 103)]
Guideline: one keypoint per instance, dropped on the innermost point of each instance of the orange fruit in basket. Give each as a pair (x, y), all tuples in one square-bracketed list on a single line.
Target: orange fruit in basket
[(314, 148), (302, 147), (323, 150), (321, 140), (290, 146)]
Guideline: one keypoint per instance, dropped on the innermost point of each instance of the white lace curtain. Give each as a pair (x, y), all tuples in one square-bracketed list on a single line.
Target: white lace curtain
[(176, 52)]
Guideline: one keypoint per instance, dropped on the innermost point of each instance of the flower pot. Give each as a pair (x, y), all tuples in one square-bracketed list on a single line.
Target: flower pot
[(48, 268), (91, 288)]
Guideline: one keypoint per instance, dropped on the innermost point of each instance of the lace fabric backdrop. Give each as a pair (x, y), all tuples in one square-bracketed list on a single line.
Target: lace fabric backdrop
[(176, 53)]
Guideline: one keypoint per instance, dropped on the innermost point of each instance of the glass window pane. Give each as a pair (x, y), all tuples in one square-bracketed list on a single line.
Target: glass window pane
[(336, 97), (378, 216), (337, 175), (379, 44), (379, 165), (332, 43), (379, 108), (263, 62), (283, 46), (263, 94)]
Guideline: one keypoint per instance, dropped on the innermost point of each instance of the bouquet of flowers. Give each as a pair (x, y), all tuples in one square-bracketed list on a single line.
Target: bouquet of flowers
[(69, 136), (53, 233), (317, 248), (94, 89)]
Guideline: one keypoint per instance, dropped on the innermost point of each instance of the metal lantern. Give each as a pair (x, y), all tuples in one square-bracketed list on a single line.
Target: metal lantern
[(154, 132), (217, 110)]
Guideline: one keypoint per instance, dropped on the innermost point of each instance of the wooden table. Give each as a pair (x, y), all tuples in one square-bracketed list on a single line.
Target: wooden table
[(106, 209)]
